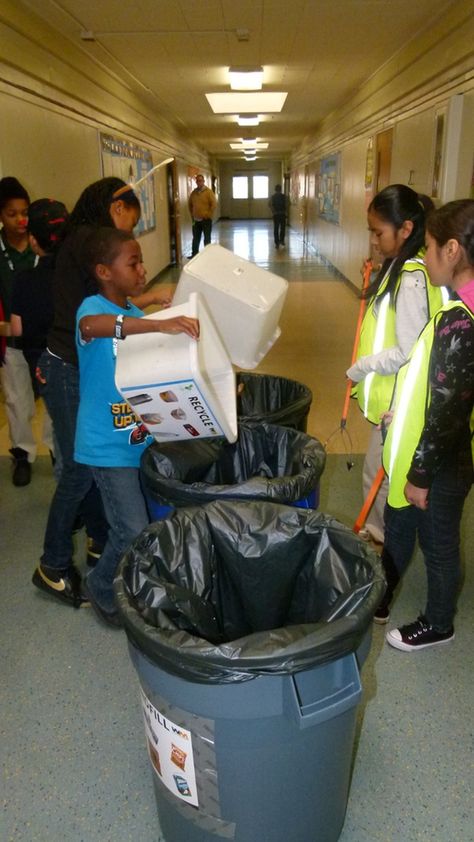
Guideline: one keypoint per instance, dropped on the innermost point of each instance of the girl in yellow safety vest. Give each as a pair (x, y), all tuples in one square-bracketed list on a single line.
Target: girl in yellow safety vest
[(428, 450), (401, 301)]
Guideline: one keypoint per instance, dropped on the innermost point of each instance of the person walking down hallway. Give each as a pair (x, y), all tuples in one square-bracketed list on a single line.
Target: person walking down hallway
[(202, 204), (278, 207)]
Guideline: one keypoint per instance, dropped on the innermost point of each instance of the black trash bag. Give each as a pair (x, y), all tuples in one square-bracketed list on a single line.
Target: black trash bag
[(265, 463), (232, 590), (276, 400)]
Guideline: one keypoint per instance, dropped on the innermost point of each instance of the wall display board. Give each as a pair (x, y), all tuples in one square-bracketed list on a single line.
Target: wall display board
[(130, 162), (329, 192)]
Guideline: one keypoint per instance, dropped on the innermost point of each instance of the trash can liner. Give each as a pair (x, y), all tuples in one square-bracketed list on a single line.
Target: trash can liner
[(229, 591), (276, 400), (266, 462)]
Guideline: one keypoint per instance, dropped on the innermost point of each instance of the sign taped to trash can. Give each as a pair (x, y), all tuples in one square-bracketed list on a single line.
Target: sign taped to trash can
[(170, 750)]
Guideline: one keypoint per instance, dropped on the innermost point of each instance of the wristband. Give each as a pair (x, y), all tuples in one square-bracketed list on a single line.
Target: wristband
[(119, 327)]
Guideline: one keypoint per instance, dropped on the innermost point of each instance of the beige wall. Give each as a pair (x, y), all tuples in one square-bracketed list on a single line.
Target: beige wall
[(406, 95), (55, 101)]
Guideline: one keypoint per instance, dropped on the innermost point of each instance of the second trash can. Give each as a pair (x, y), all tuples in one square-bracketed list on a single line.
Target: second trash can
[(243, 622), (267, 462), (276, 400)]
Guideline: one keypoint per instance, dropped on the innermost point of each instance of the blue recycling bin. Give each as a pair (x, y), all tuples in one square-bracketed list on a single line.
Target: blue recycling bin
[(247, 625), (267, 462)]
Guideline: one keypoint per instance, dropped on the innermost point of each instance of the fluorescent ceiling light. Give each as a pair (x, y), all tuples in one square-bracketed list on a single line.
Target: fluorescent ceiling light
[(252, 158), (246, 78), (255, 103), (248, 141), (246, 146), (254, 120)]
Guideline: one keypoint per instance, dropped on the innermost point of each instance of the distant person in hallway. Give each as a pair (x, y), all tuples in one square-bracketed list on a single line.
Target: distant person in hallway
[(202, 205), (428, 453), (112, 450), (278, 205), (16, 256), (400, 302)]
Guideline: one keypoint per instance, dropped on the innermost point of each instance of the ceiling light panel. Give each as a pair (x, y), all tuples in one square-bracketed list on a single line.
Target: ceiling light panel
[(246, 78), (252, 120), (242, 103)]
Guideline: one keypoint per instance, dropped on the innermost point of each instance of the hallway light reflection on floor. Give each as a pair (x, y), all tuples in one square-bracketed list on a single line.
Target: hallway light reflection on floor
[(251, 243)]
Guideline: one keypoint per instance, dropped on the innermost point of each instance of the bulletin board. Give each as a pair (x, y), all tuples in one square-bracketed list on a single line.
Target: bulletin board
[(329, 191), (130, 162)]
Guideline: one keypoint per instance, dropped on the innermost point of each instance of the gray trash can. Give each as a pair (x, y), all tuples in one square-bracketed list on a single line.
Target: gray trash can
[(267, 462), (244, 623), (276, 400)]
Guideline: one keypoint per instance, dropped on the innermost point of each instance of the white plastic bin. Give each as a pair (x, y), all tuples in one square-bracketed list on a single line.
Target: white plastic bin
[(244, 300), (181, 389)]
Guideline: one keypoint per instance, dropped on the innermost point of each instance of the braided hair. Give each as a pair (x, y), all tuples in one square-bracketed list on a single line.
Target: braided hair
[(93, 205), (396, 204)]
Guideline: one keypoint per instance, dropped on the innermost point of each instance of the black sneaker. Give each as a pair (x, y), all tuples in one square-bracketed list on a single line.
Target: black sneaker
[(382, 615), (64, 585), (417, 635), (110, 618), (21, 467), (94, 552)]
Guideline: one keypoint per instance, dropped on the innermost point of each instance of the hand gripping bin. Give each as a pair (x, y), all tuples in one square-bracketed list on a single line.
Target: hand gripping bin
[(182, 389), (267, 462), (244, 300), (245, 622)]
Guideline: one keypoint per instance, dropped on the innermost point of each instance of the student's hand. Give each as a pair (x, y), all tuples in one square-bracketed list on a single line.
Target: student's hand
[(416, 496), (385, 420), (180, 324)]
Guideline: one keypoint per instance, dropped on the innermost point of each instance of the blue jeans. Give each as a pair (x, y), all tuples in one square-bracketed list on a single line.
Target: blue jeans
[(75, 492), (200, 227), (127, 515), (438, 530)]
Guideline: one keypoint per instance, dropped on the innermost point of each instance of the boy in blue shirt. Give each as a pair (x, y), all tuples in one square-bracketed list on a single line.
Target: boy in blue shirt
[(107, 435)]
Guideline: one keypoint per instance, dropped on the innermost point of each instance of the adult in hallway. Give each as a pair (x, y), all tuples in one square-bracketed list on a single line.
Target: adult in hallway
[(279, 207), (202, 205), (16, 256)]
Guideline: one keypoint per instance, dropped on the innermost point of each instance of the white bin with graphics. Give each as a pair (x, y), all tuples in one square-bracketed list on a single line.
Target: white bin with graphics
[(244, 301), (180, 388)]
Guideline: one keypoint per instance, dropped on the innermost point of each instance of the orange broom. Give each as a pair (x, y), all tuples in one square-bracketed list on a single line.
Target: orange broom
[(342, 429)]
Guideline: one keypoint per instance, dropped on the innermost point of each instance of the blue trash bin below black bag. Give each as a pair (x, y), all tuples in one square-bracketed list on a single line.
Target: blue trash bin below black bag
[(267, 462), (245, 622), (275, 400)]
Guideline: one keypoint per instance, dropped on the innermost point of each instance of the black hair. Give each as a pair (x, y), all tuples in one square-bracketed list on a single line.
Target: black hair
[(278, 188), (396, 204), (454, 221), (10, 188), (103, 246), (93, 205), (47, 222)]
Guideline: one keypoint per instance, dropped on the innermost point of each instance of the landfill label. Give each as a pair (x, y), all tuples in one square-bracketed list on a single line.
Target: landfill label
[(170, 750)]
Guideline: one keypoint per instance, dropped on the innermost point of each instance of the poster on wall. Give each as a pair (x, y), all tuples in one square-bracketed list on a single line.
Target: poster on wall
[(329, 193), (130, 162)]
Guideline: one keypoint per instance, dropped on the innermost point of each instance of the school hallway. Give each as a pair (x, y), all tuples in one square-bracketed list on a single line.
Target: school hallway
[(75, 765)]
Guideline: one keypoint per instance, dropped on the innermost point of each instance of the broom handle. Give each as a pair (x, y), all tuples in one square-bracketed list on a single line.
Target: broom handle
[(365, 284), (368, 502)]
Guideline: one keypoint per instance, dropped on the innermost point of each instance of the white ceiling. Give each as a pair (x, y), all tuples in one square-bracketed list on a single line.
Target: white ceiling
[(175, 51)]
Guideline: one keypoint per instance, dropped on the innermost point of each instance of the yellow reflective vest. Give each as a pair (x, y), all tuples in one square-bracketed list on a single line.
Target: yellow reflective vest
[(412, 402), (375, 392)]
